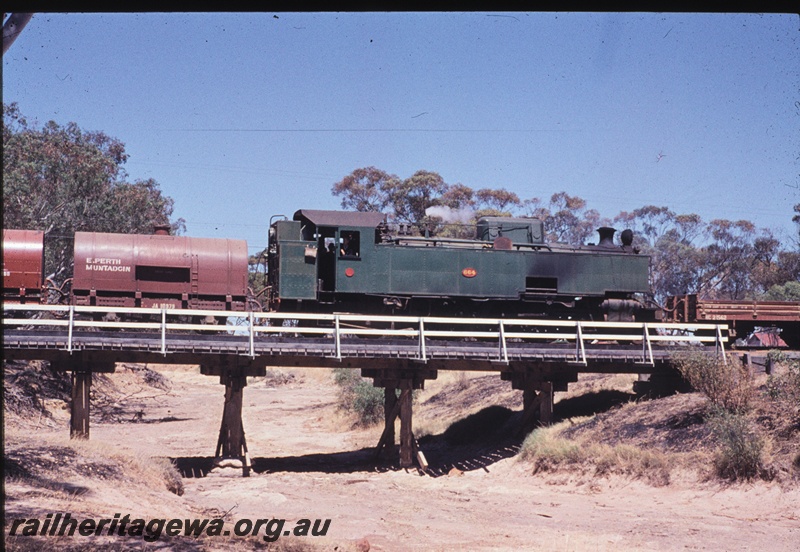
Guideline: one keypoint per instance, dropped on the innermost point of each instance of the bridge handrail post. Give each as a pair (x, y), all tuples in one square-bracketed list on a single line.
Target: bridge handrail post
[(252, 335), (337, 338), (422, 352), (720, 346), (503, 348), (648, 344), (69, 330), (164, 331), (580, 349)]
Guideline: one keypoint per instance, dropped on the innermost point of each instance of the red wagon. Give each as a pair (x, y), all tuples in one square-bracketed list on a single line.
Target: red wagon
[(23, 266), (160, 270)]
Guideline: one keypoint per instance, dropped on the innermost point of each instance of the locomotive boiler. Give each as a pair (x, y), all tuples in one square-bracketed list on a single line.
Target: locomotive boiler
[(355, 262)]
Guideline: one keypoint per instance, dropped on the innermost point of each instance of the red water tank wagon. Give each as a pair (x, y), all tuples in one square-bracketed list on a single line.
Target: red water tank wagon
[(23, 266), (161, 271)]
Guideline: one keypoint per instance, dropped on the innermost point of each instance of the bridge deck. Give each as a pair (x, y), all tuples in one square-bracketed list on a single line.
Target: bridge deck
[(313, 351), (318, 339)]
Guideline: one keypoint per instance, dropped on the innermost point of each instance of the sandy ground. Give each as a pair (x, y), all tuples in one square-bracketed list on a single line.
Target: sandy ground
[(310, 463)]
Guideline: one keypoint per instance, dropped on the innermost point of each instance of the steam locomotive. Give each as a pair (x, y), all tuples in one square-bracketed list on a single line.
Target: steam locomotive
[(337, 261), (357, 262)]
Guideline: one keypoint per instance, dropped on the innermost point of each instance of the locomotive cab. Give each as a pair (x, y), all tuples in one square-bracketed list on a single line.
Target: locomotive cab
[(310, 254)]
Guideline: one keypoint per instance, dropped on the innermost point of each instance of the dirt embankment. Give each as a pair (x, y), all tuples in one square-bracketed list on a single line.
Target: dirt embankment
[(311, 463)]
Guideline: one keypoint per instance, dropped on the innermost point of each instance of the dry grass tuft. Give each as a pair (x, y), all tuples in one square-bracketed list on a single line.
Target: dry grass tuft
[(54, 456), (549, 451)]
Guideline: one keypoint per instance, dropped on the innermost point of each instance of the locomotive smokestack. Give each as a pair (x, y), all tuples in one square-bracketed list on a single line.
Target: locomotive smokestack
[(161, 230), (606, 236)]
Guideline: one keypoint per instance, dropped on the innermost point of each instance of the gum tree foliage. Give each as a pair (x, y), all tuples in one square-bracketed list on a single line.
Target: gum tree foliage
[(412, 196), (790, 291), (566, 218), (409, 200), (796, 220), (62, 179), (497, 201), (720, 259), (366, 189), (257, 275)]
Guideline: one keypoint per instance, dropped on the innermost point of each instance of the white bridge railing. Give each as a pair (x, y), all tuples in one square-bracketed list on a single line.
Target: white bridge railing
[(257, 326)]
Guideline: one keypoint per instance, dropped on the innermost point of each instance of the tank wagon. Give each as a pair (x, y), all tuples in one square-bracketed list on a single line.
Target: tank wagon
[(159, 270), (23, 266), (355, 261)]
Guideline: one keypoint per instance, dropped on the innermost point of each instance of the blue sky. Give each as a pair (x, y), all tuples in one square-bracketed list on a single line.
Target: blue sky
[(243, 116)]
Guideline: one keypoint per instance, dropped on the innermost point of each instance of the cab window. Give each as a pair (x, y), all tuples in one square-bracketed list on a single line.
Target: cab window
[(350, 245)]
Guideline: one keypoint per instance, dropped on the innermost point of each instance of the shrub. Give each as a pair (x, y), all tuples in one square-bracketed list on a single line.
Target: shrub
[(739, 455), (367, 402), (359, 396), (726, 383), (784, 386)]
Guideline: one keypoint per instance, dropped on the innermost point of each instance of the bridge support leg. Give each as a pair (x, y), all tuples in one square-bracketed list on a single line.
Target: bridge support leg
[(537, 406), (546, 403), (406, 377), (79, 409), (406, 432), (391, 409), (530, 406), (231, 443), (398, 406), (538, 381)]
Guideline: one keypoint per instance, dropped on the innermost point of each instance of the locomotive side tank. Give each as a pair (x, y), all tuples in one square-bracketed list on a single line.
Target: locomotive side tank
[(23, 266), (354, 261), (160, 270)]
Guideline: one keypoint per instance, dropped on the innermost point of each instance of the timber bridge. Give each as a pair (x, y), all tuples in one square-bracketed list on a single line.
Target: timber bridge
[(398, 353)]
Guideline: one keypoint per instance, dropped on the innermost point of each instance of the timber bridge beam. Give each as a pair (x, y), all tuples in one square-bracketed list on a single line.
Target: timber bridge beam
[(399, 354)]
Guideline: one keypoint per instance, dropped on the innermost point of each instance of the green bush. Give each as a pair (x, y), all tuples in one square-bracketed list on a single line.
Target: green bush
[(725, 382), (739, 455), (359, 396), (784, 386)]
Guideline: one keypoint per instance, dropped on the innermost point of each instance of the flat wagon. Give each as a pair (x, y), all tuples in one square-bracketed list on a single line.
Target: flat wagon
[(743, 317)]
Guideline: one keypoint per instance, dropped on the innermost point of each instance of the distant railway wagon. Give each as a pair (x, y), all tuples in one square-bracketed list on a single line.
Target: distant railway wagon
[(23, 266), (353, 261), (743, 317), (159, 270)]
